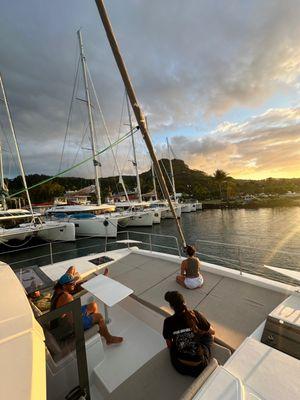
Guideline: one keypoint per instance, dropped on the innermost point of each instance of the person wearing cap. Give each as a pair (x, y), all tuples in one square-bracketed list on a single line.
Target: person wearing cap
[(188, 335), (90, 315)]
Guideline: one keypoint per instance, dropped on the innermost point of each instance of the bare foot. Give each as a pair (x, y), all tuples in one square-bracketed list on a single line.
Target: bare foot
[(105, 272), (114, 340)]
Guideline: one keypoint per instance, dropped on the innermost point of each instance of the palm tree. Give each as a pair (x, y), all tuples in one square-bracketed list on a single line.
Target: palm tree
[(220, 177)]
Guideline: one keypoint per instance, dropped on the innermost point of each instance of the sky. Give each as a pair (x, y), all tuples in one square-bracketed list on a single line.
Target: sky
[(220, 80)]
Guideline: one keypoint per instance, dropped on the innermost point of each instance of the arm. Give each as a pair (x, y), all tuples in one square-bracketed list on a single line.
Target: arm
[(71, 271), (211, 331), (203, 324), (166, 333), (182, 268), (62, 301)]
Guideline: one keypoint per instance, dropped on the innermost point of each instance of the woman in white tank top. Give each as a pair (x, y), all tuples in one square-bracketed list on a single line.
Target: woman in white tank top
[(190, 276)]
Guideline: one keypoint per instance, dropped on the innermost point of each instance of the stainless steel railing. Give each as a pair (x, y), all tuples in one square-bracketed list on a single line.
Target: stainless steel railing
[(234, 256)]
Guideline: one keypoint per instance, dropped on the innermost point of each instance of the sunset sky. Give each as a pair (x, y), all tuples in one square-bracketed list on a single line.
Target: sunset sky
[(220, 79)]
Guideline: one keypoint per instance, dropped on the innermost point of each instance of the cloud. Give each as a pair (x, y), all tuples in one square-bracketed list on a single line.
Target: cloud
[(187, 62), (265, 145)]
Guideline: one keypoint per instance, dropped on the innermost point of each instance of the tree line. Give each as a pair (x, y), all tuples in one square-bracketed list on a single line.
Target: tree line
[(191, 183)]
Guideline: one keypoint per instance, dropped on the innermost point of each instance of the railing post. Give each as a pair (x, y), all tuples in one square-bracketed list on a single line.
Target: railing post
[(51, 253), (105, 245), (240, 261), (150, 241), (127, 239), (74, 307), (179, 252)]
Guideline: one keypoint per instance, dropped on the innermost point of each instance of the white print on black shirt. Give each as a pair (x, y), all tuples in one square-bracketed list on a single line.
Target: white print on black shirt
[(185, 342)]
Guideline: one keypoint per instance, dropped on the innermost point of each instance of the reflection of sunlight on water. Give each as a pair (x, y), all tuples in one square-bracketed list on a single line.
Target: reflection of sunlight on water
[(281, 243)]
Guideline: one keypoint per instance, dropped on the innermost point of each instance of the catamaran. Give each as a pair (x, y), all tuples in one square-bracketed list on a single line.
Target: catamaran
[(256, 350)]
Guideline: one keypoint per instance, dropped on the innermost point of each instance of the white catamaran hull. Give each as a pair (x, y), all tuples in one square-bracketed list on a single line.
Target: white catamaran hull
[(97, 226), (52, 231), (49, 231), (156, 216), (167, 214), (198, 206), (193, 207), (14, 234), (186, 208), (137, 219)]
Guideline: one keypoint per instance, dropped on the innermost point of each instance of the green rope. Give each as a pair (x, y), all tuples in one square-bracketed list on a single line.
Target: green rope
[(121, 139)]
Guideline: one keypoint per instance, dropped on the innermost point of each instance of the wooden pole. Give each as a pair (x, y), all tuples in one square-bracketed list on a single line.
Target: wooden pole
[(136, 109)]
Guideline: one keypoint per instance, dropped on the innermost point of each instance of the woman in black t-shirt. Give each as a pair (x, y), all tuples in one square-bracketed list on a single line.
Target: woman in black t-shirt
[(188, 335)]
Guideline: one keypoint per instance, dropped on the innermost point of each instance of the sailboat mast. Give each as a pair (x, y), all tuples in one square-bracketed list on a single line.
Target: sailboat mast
[(136, 109), (3, 201), (171, 170), (154, 183), (11, 125), (138, 182), (90, 114)]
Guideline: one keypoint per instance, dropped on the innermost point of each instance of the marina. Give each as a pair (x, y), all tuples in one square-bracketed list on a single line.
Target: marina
[(127, 286)]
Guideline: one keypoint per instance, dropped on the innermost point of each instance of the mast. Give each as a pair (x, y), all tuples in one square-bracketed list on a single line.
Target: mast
[(154, 183), (11, 125), (138, 182), (136, 108), (3, 200), (90, 114), (171, 170), (121, 180)]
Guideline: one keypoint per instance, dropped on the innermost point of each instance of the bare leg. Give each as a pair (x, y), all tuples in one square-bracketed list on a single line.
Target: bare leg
[(98, 319), (92, 308), (180, 279), (105, 272)]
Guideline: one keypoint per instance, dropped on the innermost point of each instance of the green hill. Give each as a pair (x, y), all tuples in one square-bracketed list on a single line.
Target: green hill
[(192, 183)]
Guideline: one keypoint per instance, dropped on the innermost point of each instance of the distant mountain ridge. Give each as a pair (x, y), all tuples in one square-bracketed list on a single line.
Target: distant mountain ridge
[(191, 182)]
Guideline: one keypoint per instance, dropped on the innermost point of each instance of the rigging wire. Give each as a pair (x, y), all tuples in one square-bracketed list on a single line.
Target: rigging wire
[(75, 86), (8, 144), (166, 172), (120, 124), (124, 137), (81, 143), (107, 133)]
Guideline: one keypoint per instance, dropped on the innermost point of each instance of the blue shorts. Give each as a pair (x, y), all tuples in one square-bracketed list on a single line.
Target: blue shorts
[(87, 320)]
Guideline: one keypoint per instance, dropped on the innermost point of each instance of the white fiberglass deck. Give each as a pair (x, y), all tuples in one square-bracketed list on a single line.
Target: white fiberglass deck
[(235, 305), (230, 302), (255, 371), (235, 308), (121, 361)]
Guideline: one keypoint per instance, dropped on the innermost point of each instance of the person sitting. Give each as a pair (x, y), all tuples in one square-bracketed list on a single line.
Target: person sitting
[(190, 276), (41, 301), (90, 315), (188, 335)]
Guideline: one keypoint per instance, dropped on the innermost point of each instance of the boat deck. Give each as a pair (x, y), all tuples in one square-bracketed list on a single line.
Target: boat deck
[(233, 305), (234, 308)]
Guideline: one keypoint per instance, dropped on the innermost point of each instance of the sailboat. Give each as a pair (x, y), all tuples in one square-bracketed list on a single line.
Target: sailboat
[(256, 350), (26, 223), (186, 207), (98, 220)]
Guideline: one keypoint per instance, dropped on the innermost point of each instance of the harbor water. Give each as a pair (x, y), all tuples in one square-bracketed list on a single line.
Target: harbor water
[(242, 239)]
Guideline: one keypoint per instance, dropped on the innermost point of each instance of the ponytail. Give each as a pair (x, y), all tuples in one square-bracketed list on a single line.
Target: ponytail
[(176, 301)]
